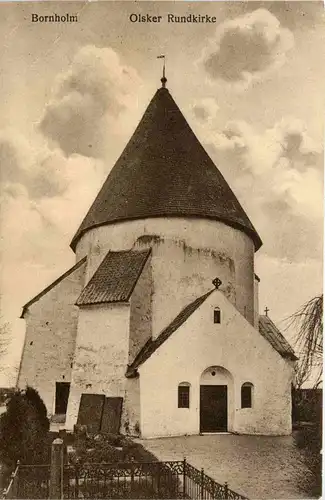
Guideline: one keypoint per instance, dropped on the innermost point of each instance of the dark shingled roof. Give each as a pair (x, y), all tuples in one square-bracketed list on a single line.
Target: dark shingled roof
[(115, 278), (152, 345), (271, 333), (52, 285), (165, 171)]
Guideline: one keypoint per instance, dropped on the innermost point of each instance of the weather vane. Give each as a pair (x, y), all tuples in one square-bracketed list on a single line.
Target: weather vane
[(163, 79)]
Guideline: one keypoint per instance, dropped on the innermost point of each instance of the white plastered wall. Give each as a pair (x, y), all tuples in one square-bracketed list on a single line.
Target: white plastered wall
[(187, 254), (234, 345), (101, 354), (51, 329)]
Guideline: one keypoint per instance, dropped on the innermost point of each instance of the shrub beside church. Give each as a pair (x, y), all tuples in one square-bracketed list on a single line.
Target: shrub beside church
[(24, 430)]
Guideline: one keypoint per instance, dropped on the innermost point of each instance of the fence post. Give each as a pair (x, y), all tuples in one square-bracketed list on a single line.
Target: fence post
[(8, 492), (226, 490), (56, 473), (76, 470), (132, 476), (184, 477), (15, 481), (202, 483)]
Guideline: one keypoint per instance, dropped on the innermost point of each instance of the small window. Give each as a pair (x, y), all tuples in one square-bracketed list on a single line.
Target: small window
[(247, 395), (184, 395), (217, 315)]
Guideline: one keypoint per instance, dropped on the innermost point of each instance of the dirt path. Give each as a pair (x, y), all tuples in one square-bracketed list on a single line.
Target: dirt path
[(259, 467)]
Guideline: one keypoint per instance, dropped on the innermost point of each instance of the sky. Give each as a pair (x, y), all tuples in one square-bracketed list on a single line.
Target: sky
[(251, 87)]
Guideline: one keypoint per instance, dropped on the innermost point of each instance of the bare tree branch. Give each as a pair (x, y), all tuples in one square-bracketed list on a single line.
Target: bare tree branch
[(308, 321), (4, 338)]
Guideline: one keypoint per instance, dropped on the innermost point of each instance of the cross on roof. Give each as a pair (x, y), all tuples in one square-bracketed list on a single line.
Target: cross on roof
[(266, 310)]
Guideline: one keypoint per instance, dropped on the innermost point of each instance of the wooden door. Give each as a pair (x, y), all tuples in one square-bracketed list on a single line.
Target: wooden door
[(213, 408), (62, 390)]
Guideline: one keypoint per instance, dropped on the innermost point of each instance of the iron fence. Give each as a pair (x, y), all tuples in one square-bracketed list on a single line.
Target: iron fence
[(172, 479), (123, 480), (29, 481), (10, 491), (141, 480)]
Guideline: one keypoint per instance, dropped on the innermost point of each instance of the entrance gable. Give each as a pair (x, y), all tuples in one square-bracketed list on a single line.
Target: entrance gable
[(214, 317), (235, 346)]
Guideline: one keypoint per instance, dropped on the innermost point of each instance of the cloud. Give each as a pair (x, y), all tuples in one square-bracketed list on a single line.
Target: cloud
[(247, 48), (47, 216), (37, 232), (205, 109), (279, 290), (85, 177), (47, 185), (88, 101), (37, 169), (281, 169), (35, 235)]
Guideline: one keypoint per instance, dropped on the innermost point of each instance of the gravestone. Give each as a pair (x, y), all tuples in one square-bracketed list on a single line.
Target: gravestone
[(91, 411), (111, 419)]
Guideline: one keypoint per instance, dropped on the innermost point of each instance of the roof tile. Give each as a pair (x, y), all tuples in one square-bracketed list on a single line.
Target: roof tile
[(115, 278), (273, 335), (164, 171)]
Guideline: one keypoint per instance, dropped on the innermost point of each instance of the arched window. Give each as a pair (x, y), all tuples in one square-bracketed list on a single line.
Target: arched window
[(217, 315), (247, 395), (184, 395)]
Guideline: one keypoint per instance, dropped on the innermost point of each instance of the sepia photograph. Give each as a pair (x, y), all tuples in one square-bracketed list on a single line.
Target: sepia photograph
[(161, 249)]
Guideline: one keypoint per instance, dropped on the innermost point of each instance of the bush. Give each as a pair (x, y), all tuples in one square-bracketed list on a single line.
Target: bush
[(24, 430), (108, 448), (309, 440), (307, 405), (36, 401)]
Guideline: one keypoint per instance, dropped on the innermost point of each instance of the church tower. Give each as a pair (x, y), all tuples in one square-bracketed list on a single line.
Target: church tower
[(165, 193)]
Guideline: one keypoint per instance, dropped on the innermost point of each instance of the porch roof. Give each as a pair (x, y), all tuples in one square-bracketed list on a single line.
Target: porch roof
[(273, 335), (115, 278), (152, 345)]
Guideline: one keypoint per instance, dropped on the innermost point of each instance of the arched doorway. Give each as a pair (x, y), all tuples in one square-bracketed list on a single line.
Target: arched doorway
[(216, 386)]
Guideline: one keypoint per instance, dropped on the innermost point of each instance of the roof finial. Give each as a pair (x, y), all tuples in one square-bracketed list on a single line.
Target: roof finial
[(217, 283), (163, 79)]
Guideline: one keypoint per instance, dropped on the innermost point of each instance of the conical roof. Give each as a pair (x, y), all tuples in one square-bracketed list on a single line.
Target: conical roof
[(165, 172)]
